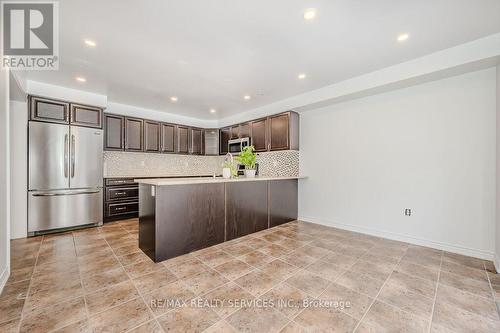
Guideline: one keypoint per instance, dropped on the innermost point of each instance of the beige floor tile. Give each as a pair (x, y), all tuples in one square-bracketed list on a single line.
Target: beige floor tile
[(278, 269), (340, 260), (256, 258), (237, 250), (98, 266), (111, 296), (458, 320), (220, 327), (55, 268), (233, 269), (173, 295), (11, 309), (81, 326), (15, 290), (298, 259), (477, 287), (463, 260), (315, 252), (216, 258), (347, 300), (308, 282), (407, 300), (293, 327), (132, 258), (227, 299), (127, 249), (272, 237), (20, 274), (376, 270), (103, 280), (50, 318), (187, 268), (385, 318), (256, 243), (419, 271), (416, 285), (149, 327), (274, 250), (42, 295), (149, 282), (203, 282), (325, 320), (360, 283), (421, 260), (471, 273), (256, 283), (257, 320), (10, 326), (142, 268), (188, 319), (121, 318), (325, 270), (479, 305), (286, 299)]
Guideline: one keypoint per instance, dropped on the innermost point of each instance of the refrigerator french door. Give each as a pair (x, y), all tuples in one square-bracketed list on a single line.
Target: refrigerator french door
[(64, 177)]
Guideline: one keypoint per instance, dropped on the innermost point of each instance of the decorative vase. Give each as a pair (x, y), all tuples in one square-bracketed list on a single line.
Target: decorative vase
[(226, 173), (250, 173)]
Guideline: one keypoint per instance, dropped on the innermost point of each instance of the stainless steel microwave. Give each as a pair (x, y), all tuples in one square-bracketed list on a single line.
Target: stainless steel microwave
[(234, 146)]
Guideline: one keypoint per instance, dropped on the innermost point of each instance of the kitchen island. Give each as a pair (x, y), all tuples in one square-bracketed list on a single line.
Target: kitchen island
[(178, 216)]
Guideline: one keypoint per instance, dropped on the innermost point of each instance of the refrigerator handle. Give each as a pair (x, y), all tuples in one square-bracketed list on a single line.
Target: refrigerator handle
[(66, 156), (72, 155)]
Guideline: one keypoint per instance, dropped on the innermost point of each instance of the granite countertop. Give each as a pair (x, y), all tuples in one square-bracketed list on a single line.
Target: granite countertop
[(207, 180)]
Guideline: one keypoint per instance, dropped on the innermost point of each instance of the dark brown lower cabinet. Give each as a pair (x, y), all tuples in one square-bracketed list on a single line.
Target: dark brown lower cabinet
[(182, 218), (246, 208), (121, 199), (177, 219)]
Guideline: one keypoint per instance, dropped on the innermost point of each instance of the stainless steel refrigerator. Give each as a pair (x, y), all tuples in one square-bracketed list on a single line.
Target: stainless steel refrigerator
[(64, 176)]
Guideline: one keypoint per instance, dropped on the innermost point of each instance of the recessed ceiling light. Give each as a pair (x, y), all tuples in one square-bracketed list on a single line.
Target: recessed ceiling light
[(247, 97), (403, 37), (309, 14), (174, 99), (81, 79), (213, 110), (301, 76), (90, 43)]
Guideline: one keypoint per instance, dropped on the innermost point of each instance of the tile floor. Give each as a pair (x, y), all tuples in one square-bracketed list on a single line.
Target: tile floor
[(298, 277)]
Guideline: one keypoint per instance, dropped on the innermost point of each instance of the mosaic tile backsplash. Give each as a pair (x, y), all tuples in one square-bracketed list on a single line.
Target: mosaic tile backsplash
[(123, 164)]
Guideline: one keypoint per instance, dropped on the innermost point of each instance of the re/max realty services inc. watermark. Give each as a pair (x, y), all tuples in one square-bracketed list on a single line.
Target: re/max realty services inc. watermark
[(30, 35)]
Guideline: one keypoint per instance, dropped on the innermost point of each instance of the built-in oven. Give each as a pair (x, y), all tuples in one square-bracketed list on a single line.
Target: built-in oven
[(235, 145)]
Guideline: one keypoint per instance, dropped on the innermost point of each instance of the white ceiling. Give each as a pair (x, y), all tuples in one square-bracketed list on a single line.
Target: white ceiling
[(210, 53)]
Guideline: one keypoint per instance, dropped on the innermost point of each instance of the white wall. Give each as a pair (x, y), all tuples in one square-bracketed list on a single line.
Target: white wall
[(18, 169), (430, 148), (4, 179)]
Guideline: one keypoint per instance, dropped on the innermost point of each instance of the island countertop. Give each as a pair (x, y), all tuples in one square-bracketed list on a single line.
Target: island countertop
[(207, 180)]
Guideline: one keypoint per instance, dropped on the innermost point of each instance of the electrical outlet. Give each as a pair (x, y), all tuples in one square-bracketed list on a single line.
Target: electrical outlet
[(407, 211)]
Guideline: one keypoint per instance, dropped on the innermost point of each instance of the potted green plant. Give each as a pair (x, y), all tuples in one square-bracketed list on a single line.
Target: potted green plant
[(248, 158)]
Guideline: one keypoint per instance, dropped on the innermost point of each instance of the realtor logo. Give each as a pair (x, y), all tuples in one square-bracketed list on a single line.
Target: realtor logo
[(30, 35)]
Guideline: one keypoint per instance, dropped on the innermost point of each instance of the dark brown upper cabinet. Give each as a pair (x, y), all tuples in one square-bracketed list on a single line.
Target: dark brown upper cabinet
[(225, 135), (88, 116), (278, 132), (235, 132), (134, 134), (43, 109), (245, 130), (168, 138), (113, 132), (183, 139), (259, 134), (152, 136), (196, 141)]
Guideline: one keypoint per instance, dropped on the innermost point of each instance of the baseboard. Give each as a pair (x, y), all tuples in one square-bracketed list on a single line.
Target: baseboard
[(4, 276), (476, 253), (496, 262)]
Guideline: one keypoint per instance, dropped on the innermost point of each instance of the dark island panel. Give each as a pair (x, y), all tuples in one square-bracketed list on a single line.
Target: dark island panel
[(283, 201), (147, 218), (246, 208), (188, 218)]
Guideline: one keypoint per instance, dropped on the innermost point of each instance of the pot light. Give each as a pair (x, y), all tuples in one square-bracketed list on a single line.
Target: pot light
[(247, 97), (90, 43), (403, 37), (81, 79), (309, 14), (301, 76), (213, 110), (174, 99)]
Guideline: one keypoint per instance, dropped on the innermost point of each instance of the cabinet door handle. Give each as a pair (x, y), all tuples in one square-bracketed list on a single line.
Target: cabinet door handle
[(120, 193), (73, 156), (66, 155), (120, 208)]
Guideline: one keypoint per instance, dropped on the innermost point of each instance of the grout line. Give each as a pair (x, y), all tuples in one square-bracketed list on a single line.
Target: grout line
[(436, 291)]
